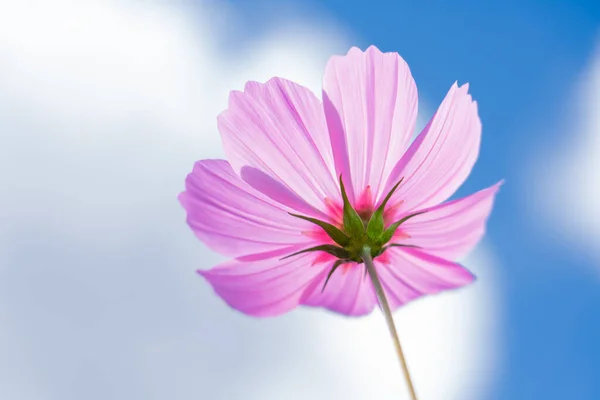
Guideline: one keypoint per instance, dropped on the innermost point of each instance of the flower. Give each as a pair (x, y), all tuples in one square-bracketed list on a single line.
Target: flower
[(311, 184)]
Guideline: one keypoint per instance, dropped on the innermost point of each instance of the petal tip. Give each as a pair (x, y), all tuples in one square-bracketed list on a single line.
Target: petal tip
[(496, 187), (463, 277), (202, 272), (236, 94), (183, 199), (248, 86), (469, 277), (354, 49), (273, 81), (373, 49)]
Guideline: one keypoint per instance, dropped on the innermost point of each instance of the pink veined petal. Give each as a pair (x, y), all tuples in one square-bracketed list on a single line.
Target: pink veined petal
[(411, 273), (275, 136), (396, 291), (442, 156), (348, 292), (263, 288), (234, 219), (452, 229), (370, 101)]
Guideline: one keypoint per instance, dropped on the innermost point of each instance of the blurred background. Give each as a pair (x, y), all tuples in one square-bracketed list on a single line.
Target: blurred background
[(104, 107)]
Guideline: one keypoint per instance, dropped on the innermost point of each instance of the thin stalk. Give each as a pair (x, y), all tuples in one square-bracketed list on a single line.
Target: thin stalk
[(368, 260)]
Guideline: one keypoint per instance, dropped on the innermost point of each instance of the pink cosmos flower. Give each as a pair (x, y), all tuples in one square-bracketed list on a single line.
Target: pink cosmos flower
[(308, 185)]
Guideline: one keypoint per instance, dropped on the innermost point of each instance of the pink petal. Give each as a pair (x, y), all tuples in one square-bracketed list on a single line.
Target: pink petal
[(411, 273), (442, 156), (234, 219), (452, 229), (263, 288), (370, 102), (277, 132), (348, 292)]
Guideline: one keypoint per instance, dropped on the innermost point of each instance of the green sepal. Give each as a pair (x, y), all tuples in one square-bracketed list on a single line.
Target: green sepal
[(335, 266), (327, 248), (334, 233), (402, 245), (411, 246), (389, 232), (376, 251), (353, 223), (376, 224)]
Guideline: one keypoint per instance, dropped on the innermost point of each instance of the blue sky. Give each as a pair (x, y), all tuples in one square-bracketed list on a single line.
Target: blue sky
[(99, 126)]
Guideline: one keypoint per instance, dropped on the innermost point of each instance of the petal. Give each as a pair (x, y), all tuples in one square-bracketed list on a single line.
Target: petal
[(263, 288), (442, 156), (370, 102), (278, 129), (452, 229), (411, 273), (234, 219), (348, 291)]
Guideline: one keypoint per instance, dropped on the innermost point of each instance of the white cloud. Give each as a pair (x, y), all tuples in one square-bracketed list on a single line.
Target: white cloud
[(103, 110), (566, 177)]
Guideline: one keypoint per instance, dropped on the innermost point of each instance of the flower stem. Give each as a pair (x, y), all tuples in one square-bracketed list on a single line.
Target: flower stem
[(368, 260)]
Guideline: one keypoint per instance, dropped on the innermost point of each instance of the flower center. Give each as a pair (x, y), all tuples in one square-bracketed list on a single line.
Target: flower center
[(360, 229)]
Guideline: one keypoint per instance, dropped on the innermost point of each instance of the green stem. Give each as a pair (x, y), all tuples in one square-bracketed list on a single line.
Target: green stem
[(387, 312)]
